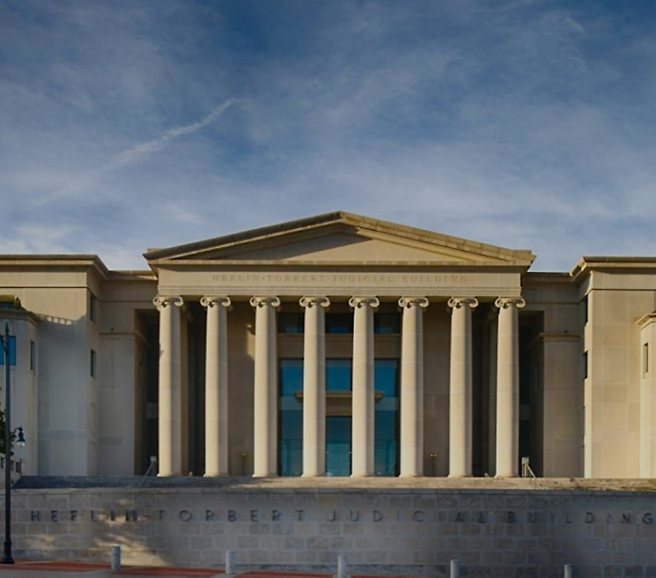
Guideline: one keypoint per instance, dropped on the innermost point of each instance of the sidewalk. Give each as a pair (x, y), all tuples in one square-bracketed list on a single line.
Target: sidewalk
[(29, 569), (37, 569)]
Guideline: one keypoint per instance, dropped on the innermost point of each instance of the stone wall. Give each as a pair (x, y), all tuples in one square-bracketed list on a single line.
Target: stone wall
[(501, 533)]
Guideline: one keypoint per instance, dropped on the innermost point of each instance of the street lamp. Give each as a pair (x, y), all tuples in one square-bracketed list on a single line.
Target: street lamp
[(20, 440)]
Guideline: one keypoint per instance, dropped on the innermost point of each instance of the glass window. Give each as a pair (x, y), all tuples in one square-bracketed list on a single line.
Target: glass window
[(93, 307), (32, 355), (386, 445), (385, 323), (92, 363), (12, 350), (290, 378), (290, 423), (291, 442), (290, 323), (386, 377), (338, 445), (339, 374), (339, 322)]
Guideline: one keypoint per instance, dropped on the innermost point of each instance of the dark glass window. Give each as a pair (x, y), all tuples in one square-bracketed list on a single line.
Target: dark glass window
[(93, 307), (385, 323), (290, 323), (92, 363), (338, 445), (339, 322), (32, 355)]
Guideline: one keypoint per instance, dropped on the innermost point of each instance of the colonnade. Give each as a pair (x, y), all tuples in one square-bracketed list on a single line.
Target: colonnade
[(314, 386)]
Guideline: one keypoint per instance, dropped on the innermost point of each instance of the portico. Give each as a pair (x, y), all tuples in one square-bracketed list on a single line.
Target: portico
[(340, 295)]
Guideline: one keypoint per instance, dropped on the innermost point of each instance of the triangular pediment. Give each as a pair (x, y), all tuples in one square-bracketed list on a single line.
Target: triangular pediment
[(342, 238)]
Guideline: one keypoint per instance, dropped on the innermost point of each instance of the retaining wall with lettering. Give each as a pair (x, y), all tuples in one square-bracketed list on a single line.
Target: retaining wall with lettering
[(412, 532)]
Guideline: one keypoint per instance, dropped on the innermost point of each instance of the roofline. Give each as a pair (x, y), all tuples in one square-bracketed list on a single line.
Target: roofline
[(57, 260), (526, 257), (450, 265), (586, 264)]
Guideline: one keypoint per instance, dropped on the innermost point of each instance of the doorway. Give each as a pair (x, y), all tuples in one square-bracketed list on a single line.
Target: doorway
[(338, 446)]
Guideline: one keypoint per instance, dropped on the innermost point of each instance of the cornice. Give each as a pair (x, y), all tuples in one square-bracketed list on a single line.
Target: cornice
[(89, 262)]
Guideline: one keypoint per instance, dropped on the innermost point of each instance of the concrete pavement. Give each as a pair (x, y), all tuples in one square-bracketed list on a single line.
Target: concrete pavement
[(48, 569)]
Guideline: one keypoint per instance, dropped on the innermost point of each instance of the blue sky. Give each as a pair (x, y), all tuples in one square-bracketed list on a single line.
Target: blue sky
[(131, 124)]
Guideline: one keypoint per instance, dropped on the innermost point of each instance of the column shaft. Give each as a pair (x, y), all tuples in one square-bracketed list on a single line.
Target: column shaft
[(412, 387), (170, 387), (314, 387), (507, 462), (265, 391), (460, 388), (362, 456), (216, 386)]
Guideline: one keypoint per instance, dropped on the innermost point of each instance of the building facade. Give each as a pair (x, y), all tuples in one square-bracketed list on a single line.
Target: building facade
[(336, 345)]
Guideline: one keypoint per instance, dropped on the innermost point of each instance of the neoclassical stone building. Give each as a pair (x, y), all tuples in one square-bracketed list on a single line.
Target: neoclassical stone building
[(335, 345)]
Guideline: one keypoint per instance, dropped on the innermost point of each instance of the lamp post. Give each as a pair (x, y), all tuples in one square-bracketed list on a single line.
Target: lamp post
[(7, 558)]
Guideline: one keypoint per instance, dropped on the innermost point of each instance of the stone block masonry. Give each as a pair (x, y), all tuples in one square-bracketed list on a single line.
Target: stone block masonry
[(502, 533)]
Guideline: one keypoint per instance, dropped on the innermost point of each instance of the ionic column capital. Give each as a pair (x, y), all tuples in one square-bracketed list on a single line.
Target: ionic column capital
[(408, 302), (312, 301), (458, 302), (357, 302), (161, 302), (505, 302), (209, 301), (262, 301)]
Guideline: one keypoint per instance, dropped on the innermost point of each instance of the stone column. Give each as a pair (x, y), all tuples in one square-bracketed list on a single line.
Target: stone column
[(314, 386), (507, 462), (265, 391), (170, 386), (412, 386), (216, 386), (460, 387), (362, 456)]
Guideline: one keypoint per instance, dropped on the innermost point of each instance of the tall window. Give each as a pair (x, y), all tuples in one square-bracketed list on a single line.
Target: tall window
[(386, 447), (93, 363), (33, 355), (93, 307), (339, 380), (290, 422)]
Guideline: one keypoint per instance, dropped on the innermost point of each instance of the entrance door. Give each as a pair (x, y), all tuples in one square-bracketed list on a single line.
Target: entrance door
[(338, 446)]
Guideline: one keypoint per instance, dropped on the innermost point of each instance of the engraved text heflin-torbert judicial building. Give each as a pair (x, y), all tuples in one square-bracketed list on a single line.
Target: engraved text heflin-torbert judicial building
[(335, 345)]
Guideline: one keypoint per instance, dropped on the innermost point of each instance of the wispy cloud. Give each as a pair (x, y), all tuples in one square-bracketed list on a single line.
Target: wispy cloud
[(503, 122), (137, 153)]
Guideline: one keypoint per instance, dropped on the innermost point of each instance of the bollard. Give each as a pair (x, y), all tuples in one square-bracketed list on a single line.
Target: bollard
[(230, 562), (569, 571), (455, 568), (341, 566), (116, 558)]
